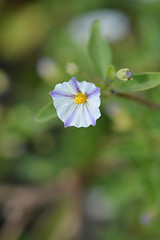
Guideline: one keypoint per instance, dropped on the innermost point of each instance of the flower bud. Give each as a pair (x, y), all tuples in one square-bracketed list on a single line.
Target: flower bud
[(72, 69), (124, 74)]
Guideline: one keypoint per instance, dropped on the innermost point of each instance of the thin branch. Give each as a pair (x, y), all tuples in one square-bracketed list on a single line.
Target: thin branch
[(138, 99)]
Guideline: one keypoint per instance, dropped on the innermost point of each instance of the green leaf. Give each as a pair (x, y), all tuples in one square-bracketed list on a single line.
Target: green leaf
[(99, 51), (48, 112), (140, 82)]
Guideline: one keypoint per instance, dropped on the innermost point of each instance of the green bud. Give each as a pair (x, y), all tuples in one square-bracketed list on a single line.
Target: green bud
[(124, 74), (72, 69)]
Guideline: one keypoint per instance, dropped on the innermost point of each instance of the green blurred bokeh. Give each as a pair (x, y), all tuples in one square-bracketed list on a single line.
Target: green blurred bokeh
[(119, 159)]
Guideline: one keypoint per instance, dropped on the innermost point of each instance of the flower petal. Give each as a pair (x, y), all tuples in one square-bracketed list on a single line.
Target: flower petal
[(93, 111), (95, 101), (71, 114), (80, 119), (66, 113), (93, 92), (75, 84), (84, 117), (91, 117), (86, 87), (66, 88), (60, 94), (63, 102)]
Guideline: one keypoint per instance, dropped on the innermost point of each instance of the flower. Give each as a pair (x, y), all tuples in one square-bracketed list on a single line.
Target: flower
[(124, 74), (77, 103)]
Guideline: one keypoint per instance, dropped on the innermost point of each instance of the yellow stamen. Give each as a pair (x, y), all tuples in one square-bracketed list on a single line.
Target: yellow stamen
[(80, 98)]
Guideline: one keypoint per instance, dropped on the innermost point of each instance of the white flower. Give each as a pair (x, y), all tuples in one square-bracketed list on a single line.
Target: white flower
[(77, 103)]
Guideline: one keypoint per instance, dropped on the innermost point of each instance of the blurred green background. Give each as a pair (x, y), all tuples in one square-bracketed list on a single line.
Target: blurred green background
[(99, 183)]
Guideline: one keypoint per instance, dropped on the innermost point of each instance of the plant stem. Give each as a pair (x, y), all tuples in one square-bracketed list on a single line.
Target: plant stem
[(137, 99)]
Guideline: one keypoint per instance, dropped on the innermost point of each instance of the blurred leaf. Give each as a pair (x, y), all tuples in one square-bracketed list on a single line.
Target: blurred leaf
[(20, 121), (140, 82), (35, 169), (99, 51), (47, 113), (23, 30)]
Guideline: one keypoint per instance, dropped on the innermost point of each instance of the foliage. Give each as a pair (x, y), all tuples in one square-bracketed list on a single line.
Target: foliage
[(96, 183)]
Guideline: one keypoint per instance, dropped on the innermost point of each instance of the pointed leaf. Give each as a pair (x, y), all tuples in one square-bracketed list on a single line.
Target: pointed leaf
[(48, 112), (99, 51)]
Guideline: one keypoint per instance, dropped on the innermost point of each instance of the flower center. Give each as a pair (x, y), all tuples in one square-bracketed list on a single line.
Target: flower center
[(80, 98)]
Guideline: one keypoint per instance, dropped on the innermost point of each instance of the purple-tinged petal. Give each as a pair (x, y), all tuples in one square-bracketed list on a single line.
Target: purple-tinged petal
[(75, 84), (60, 94), (94, 92), (93, 121), (69, 119), (72, 114)]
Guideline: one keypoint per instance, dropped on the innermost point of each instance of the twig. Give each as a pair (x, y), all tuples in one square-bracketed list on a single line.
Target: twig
[(137, 99)]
